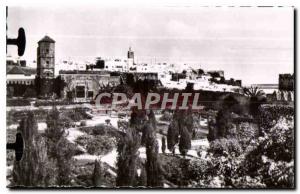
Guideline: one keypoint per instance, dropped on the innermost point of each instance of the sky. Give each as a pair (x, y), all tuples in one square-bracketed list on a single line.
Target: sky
[(252, 44)]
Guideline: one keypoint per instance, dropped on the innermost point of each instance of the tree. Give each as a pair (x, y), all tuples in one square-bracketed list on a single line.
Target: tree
[(152, 119), (189, 87), (153, 166), (128, 146), (189, 121), (97, 174), (65, 150), (37, 83), (34, 168), (59, 85), (143, 177), (200, 72), (59, 148), (257, 97), (146, 134), (28, 127), (172, 136), (224, 124), (30, 93), (55, 127), (163, 144), (185, 141)]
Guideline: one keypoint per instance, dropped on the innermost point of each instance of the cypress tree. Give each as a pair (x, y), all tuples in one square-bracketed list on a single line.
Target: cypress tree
[(189, 121), (33, 169), (172, 136), (60, 150), (128, 146), (163, 144), (185, 141), (143, 177), (153, 166), (97, 175)]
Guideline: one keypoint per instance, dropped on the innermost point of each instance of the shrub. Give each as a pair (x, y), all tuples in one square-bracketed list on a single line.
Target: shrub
[(184, 141), (175, 169), (100, 145), (30, 93), (172, 136), (269, 114), (17, 102), (224, 146), (127, 149), (83, 140), (82, 123), (199, 169), (167, 116), (273, 157), (247, 132)]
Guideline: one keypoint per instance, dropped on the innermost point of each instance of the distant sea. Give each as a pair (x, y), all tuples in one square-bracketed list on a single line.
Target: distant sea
[(267, 88)]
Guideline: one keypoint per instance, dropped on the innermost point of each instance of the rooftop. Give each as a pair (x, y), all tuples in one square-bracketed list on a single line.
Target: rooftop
[(47, 39), (17, 70)]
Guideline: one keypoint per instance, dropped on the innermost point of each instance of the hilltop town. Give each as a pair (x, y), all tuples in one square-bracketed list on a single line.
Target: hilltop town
[(70, 141)]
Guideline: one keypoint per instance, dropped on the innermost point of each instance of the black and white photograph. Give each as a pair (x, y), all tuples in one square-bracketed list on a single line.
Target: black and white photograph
[(150, 97)]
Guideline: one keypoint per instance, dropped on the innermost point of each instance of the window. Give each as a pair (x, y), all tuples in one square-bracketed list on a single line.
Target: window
[(90, 94), (80, 91), (47, 51)]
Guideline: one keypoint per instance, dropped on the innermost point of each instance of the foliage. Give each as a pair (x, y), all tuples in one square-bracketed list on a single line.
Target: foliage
[(224, 124), (30, 93), (59, 85), (247, 132), (163, 144), (172, 136), (270, 114), (273, 157), (63, 157), (167, 116), (34, 169), (175, 169), (28, 128), (17, 102), (59, 149), (257, 97), (127, 149), (142, 180), (153, 166), (184, 141), (55, 127), (98, 174), (223, 146), (99, 145), (87, 175), (57, 102), (100, 129)]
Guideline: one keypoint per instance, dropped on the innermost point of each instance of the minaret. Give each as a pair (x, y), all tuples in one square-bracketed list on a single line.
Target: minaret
[(130, 58), (46, 66), (46, 58)]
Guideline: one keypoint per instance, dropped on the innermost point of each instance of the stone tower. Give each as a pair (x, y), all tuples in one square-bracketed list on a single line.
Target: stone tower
[(130, 58), (46, 57), (46, 66)]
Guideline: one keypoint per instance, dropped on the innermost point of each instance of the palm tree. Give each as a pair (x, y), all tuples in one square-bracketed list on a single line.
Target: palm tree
[(257, 97), (253, 92)]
